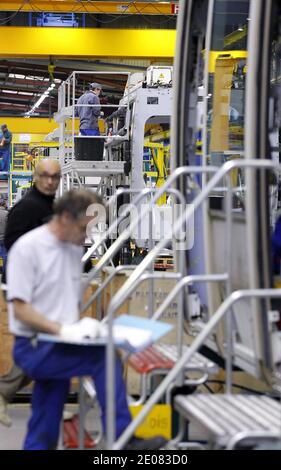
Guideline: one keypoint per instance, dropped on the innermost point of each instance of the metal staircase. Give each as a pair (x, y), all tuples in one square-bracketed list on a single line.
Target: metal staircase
[(230, 420), (235, 417)]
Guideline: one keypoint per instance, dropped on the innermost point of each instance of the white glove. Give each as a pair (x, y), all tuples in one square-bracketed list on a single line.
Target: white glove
[(87, 328)]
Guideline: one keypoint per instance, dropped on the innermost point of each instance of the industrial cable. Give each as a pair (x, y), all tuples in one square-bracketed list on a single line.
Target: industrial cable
[(208, 388), (81, 2), (13, 15), (36, 9), (114, 17), (145, 17), (123, 14)]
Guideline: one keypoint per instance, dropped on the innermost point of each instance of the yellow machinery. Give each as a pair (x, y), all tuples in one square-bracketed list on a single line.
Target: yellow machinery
[(159, 157), (23, 161)]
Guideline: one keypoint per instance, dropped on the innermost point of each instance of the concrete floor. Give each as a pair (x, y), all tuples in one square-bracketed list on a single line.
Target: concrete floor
[(12, 438)]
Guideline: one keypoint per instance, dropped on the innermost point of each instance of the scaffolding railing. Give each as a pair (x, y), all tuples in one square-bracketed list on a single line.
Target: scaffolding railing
[(130, 284)]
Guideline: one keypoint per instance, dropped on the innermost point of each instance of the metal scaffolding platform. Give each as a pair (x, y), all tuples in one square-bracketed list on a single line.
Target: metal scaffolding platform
[(94, 168), (231, 419)]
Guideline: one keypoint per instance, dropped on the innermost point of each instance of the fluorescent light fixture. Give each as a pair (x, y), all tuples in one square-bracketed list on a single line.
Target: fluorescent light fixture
[(10, 91), (16, 75), (36, 77), (40, 100)]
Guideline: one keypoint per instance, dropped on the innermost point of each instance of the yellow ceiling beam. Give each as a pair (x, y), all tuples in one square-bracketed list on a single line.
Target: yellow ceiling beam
[(75, 6), (86, 42), (236, 36), (20, 125)]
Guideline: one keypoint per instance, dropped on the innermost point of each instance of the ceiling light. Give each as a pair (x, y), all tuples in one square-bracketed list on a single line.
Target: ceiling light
[(10, 91), (40, 100), (16, 75)]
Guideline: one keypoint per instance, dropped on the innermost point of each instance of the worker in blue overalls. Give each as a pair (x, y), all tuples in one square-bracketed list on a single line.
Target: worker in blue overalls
[(88, 110), (5, 148), (44, 281)]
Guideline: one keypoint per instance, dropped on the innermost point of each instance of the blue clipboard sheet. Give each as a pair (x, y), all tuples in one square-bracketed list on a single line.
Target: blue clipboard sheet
[(130, 332)]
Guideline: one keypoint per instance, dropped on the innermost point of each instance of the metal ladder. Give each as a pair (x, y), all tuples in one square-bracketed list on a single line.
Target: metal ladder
[(231, 420), (131, 283), (129, 286)]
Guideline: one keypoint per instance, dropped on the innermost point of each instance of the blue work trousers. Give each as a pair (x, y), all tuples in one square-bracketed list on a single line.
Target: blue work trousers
[(89, 132), (52, 366), (3, 255), (4, 158)]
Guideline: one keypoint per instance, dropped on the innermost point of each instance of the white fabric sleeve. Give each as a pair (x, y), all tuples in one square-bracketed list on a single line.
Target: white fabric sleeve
[(21, 273)]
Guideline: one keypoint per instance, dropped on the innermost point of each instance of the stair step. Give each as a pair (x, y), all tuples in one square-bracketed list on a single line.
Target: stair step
[(225, 416), (71, 435), (162, 356)]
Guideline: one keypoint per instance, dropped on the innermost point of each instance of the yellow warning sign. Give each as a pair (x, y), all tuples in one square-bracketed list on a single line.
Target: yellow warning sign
[(157, 423), (161, 75)]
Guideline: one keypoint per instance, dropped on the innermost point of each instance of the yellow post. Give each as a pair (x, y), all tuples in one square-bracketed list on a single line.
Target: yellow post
[(158, 158)]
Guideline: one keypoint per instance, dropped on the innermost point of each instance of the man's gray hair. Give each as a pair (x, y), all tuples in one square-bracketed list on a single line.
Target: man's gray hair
[(76, 203)]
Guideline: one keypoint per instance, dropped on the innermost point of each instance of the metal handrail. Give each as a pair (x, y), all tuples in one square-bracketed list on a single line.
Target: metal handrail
[(242, 436), (145, 277), (224, 308), (165, 304), (121, 191), (188, 280), (118, 243), (115, 301), (109, 278), (188, 213), (142, 193)]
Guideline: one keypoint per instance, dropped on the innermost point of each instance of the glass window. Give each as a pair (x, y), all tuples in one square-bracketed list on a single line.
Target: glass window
[(226, 90)]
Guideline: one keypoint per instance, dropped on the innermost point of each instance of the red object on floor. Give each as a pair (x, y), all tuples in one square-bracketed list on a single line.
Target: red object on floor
[(71, 435), (148, 360)]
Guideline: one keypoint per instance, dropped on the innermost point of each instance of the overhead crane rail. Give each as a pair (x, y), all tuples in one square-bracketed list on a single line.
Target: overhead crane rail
[(95, 7)]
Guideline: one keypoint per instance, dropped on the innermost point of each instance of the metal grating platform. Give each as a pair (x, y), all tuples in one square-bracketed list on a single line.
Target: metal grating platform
[(71, 435), (225, 416), (198, 361), (94, 168), (163, 357), (149, 360)]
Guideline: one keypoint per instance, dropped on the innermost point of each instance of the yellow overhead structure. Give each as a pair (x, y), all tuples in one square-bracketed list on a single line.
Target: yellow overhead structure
[(227, 55), (86, 42), (158, 160), (96, 7), (29, 131), (31, 125), (236, 36)]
